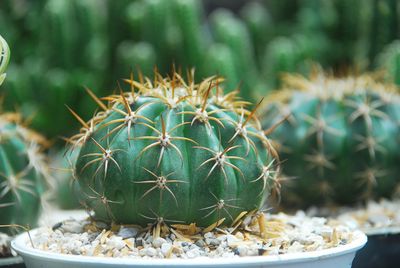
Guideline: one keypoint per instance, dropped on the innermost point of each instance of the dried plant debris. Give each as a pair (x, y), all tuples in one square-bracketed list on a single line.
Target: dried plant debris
[(252, 234)]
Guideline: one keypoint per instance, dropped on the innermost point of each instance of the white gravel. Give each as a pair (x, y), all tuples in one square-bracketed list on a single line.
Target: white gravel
[(258, 234), (374, 218)]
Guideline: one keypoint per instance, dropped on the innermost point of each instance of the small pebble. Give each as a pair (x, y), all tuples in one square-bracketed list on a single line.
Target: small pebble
[(158, 242), (200, 243), (214, 242), (71, 226), (150, 251), (242, 250), (166, 248), (193, 253), (127, 232)]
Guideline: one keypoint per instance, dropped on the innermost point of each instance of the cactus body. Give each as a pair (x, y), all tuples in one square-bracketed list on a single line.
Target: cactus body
[(23, 172), (340, 139), (174, 151)]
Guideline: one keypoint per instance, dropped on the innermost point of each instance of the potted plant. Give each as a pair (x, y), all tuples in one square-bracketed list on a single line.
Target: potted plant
[(175, 169), (340, 142)]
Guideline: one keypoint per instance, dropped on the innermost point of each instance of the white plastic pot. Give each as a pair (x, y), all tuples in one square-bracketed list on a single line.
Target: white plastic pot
[(338, 257)]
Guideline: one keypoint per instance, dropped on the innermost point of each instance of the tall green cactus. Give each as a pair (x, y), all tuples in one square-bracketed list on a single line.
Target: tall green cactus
[(232, 32), (385, 25), (70, 39), (136, 56), (293, 54), (340, 139), (175, 151)]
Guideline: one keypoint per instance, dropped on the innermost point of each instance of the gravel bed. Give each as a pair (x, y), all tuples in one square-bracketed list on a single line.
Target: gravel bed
[(374, 218), (253, 234)]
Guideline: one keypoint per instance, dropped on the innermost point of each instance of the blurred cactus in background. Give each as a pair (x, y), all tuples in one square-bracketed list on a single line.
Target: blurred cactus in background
[(62, 46), (66, 193), (340, 139), (24, 173), (389, 61), (67, 43)]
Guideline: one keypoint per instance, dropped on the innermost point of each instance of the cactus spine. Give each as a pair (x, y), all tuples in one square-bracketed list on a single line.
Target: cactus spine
[(174, 151), (340, 138)]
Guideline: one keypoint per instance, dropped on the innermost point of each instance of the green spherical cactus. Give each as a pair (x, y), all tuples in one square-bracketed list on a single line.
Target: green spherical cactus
[(174, 151), (4, 58), (24, 172), (340, 140)]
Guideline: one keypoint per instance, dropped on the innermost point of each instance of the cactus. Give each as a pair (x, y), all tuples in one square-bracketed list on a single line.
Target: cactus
[(232, 32), (173, 151), (389, 61), (84, 43), (23, 168), (4, 58), (221, 61), (66, 194), (260, 24), (133, 56), (53, 57), (384, 25), (340, 139), (293, 54), (24, 173)]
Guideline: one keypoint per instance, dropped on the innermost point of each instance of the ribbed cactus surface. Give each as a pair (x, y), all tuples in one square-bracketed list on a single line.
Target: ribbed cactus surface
[(23, 172), (340, 140), (174, 151)]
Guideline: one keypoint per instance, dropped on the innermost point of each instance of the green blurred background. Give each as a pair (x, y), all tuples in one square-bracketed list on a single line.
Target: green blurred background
[(60, 46)]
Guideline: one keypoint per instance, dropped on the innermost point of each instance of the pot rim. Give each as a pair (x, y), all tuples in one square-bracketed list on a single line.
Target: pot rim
[(375, 231), (19, 244)]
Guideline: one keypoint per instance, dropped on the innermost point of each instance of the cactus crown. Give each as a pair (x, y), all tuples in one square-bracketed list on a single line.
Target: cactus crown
[(24, 173), (339, 138), (175, 151), (4, 58)]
